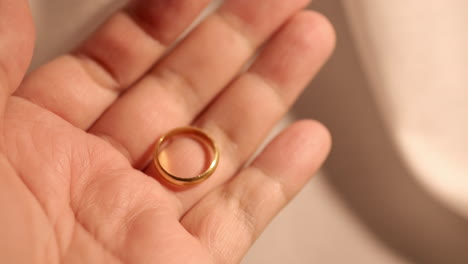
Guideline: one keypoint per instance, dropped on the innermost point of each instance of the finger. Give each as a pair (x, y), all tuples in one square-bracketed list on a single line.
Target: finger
[(230, 218), (16, 45), (192, 75), (79, 86), (244, 114)]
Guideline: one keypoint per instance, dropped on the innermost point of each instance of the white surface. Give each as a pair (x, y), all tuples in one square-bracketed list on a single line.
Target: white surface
[(318, 228), (415, 56)]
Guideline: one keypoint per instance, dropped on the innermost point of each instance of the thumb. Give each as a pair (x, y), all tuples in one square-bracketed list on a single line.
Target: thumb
[(16, 46)]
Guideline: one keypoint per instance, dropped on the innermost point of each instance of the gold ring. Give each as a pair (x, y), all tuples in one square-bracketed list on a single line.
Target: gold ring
[(198, 135)]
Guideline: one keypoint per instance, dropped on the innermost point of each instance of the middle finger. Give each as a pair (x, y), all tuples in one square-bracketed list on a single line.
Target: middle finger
[(181, 86)]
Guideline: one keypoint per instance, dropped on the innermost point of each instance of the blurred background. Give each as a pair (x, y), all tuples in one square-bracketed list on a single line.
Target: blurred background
[(394, 95), (395, 188)]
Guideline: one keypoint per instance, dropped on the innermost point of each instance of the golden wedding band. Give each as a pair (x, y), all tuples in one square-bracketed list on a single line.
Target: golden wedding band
[(196, 134)]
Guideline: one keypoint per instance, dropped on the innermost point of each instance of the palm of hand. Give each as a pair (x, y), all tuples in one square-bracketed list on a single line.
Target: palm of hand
[(71, 196), (87, 196)]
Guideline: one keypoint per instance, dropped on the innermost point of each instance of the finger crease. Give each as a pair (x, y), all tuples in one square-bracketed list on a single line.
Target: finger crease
[(272, 85), (145, 27), (228, 139), (277, 185), (173, 79), (223, 17), (109, 80)]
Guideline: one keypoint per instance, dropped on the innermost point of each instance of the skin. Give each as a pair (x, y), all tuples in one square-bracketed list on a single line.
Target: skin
[(76, 182)]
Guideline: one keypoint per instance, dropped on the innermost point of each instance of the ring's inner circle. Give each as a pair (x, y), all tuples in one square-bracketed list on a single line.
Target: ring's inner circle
[(185, 155)]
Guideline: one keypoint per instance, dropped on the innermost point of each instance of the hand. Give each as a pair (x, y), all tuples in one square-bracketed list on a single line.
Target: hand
[(75, 183)]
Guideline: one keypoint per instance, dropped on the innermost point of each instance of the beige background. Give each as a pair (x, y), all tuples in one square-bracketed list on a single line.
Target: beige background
[(394, 96), (379, 200)]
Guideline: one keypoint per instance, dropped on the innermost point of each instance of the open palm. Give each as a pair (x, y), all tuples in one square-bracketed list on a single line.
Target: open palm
[(75, 183)]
